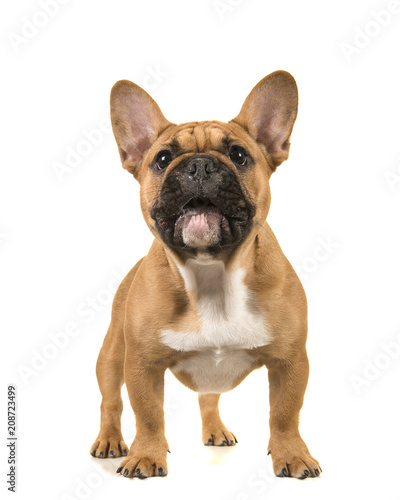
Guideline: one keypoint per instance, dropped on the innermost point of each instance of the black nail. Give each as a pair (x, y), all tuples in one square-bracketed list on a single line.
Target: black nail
[(284, 473), (224, 443), (236, 441), (111, 453), (269, 452), (168, 451), (209, 441), (125, 452), (119, 470), (101, 454), (161, 472), (126, 472), (93, 453), (139, 474), (320, 469), (305, 474), (317, 473)]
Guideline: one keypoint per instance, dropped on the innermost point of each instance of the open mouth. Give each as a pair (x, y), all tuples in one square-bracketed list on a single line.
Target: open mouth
[(203, 223), (198, 202), (200, 223)]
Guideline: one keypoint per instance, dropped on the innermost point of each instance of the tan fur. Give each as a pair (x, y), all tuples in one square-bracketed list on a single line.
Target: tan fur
[(153, 297)]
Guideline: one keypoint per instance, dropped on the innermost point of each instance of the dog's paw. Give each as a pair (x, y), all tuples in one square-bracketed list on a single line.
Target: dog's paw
[(218, 437), (292, 459), (111, 446), (143, 467), (146, 458)]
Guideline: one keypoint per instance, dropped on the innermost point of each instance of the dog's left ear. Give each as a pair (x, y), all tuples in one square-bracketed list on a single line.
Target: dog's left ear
[(269, 113), (137, 121)]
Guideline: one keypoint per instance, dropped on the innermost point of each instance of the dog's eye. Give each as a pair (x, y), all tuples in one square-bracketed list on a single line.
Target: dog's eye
[(238, 155), (163, 159)]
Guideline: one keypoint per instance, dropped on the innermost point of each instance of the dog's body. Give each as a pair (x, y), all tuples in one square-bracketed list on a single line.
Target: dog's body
[(215, 297)]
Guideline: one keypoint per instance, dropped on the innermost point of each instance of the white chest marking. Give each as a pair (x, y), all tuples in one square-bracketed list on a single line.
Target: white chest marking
[(231, 322)]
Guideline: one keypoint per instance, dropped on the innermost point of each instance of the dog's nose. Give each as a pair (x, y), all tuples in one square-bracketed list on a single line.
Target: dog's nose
[(200, 167)]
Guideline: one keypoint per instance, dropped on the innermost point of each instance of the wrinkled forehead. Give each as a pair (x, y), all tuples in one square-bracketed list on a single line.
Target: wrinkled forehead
[(201, 136)]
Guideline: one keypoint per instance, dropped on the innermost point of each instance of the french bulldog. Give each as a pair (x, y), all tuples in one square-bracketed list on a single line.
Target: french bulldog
[(215, 297)]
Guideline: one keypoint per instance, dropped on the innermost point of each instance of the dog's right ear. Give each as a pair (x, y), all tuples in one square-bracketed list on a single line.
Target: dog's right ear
[(136, 120)]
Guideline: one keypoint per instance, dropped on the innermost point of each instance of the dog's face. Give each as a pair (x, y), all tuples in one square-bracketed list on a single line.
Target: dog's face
[(206, 194), (205, 185)]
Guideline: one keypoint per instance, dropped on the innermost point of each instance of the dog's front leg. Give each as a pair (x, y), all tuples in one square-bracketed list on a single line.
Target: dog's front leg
[(287, 385), (145, 383)]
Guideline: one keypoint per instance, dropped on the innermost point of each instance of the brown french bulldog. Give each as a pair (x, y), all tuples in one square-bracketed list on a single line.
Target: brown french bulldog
[(215, 298)]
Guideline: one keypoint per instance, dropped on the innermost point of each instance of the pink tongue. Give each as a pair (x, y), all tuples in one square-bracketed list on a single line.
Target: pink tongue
[(201, 229), (198, 226)]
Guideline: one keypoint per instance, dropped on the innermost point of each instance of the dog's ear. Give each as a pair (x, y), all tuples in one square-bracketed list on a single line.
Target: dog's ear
[(269, 113), (136, 120)]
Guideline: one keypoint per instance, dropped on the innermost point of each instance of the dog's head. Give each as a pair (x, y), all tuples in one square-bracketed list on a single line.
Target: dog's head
[(205, 185)]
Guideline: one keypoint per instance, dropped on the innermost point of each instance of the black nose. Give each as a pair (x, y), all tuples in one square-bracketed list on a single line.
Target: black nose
[(200, 167)]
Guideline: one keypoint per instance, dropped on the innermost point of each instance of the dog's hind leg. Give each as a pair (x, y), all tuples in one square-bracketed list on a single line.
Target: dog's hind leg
[(214, 431)]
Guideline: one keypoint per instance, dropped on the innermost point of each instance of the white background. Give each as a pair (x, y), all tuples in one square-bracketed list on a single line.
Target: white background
[(64, 240)]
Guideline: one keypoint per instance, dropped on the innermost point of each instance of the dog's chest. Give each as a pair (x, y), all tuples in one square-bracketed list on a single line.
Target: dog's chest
[(231, 325)]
